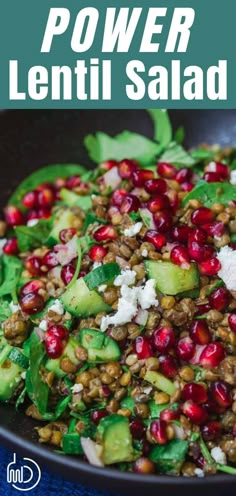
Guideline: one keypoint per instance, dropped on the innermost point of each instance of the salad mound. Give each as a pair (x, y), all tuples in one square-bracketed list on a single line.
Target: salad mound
[(118, 304)]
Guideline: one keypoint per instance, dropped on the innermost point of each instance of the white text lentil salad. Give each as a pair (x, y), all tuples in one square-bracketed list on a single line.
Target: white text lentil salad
[(118, 304)]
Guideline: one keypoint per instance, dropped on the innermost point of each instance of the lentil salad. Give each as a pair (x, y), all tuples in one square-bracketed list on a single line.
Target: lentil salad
[(118, 307)]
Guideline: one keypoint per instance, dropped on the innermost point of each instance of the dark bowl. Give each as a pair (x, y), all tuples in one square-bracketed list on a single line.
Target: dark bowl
[(30, 139)]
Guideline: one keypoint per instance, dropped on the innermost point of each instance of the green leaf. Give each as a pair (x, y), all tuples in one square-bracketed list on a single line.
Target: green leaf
[(78, 265), (175, 154), (203, 154), (12, 268), (35, 236), (91, 218), (209, 193), (179, 135), (46, 174), (170, 457), (102, 147), (162, 126), (205, 452), (37, 390), (5, 310)]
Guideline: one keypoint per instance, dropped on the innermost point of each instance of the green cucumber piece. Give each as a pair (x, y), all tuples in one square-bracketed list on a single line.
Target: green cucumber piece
[(116, 439), (102, 274), (64, 220), (100, 347), (170, 278), (73, 200), (19, 358), (170, 457), (160, 382), (81, 302), (53, 364), (71, 444), (10, 377)]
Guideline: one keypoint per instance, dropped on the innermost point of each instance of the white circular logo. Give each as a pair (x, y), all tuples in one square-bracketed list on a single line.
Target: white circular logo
[(25, 477)]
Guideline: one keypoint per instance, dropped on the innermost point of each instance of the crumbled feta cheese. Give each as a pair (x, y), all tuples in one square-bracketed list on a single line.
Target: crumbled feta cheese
[(102, 288), (127, 276), (218, 455), (133, 230), (147, 390), (77, 388), (145, 296), (14, 308), (2, 243), (233, 177), (211, 167), (32, 222), (199, 472), (144, 253), (141, 317), (43, 325), (96, 265), (57, 307), (227, 258)]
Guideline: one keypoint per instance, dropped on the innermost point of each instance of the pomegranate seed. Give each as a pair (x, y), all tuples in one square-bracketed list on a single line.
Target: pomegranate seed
[(170, 414), (137, 428), (214, 228), (144, 465), (118, 197), (180, 233), (13, 216), (198, 235), (196, 413), (30, 200), (43, 186), (212, 177), (195, 392), (139, 177), (219, 168), (108, 164), (45, 198), (179, 256), (154, 186), (50, 260), (59, 183), (202, 309), (11, 246), (67, 234), (183, 175), (212, 355), (59, 331), (187, 187), (158, 431), (168, 365), (33, 265), (219, 299), (166, 170), (199, 252), (97, 415), (31, 303), (185, 348), (160, 202), (163, 339), (232, 321), (53, 345), (131, 203), (199, 332), (210, 267), (73, 181), (44, 213), (221, 393), (142, 347), (32, 214), (67, 273), (126, 168), (32, 287), (97, 253), (163, 220), (157, 240), (211, 431), (213, 408), (104, 233), (202, 215)]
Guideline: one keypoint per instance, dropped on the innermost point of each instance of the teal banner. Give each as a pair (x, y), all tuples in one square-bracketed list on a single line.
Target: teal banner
[(118, 54)]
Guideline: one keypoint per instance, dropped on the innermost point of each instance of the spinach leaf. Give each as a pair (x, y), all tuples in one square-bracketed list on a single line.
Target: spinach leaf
[(37, 390), (102, 147), (179, 135), (209, 193), (162, 126), (175, 154), (91, 219), (46, 174), (12, 268), (170, 457), (35, 236), (5, 310), (78, 265), (203, 154)]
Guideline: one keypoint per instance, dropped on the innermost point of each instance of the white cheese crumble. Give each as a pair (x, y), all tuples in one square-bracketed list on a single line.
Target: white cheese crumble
[(233, 177), (14, 308), (199, 472), (211, 167), (127, 276), (57, 307), (96, 265), (102, 288), (218, 455), (77, 388), (32, 222), (133, 230), (145, 296), (144, 253), (43, 325), (227, 258), (2, 243)]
